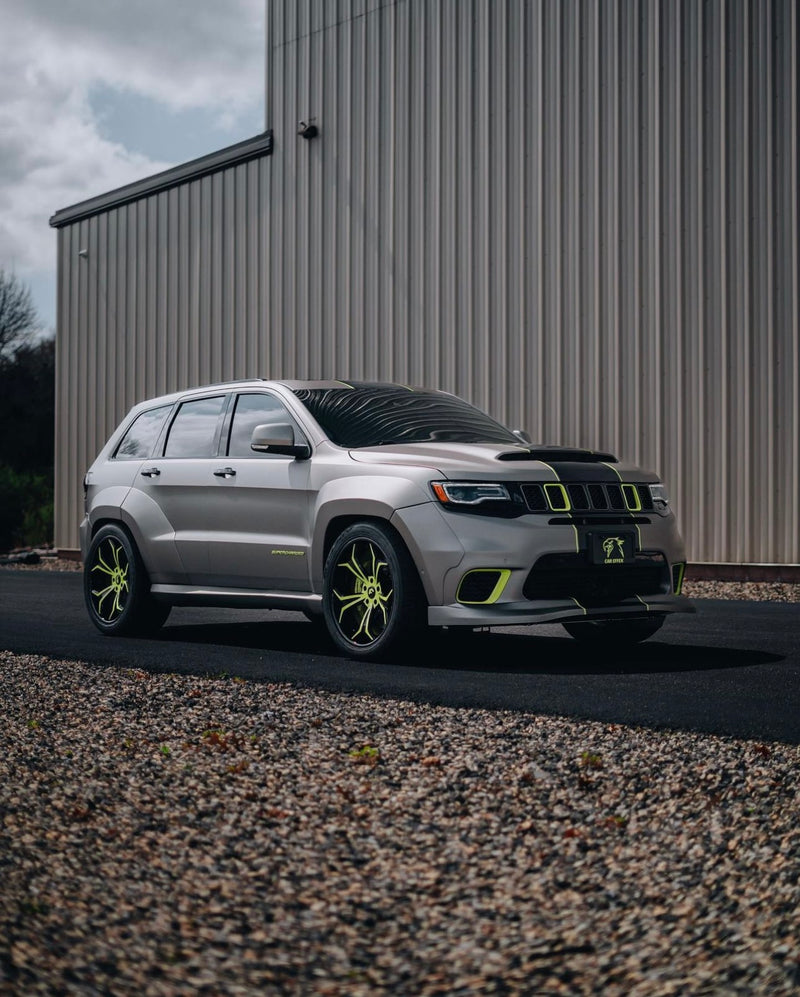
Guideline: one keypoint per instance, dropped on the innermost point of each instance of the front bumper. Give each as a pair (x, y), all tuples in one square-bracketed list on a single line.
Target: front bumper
[(538, 571), (505, 614)]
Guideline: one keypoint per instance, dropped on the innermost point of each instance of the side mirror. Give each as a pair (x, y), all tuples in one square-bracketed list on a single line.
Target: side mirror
[(523, 436), (278, 438)]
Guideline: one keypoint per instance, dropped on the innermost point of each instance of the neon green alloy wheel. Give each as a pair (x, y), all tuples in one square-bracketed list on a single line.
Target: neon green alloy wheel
[(109, 579), (116, 587), (372, 598), (362, 589)]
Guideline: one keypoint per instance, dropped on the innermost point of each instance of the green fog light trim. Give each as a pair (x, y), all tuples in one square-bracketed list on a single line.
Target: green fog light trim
[(503, 574), (557, 497), (633, 500), (679, 583)]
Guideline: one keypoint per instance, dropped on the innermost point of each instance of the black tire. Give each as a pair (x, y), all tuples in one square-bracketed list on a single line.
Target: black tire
[(372, 597), (614, 632), (116, 588)]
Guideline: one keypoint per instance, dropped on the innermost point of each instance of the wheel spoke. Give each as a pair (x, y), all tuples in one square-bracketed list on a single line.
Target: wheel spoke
[(116, 573), (101, 595), (362, 600), (102, 566)]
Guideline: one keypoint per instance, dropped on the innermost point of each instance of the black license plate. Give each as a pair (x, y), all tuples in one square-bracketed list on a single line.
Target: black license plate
[(612, 548)]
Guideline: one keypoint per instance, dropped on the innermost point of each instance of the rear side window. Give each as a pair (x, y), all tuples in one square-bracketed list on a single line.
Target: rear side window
[(193, 432), (139, 440)]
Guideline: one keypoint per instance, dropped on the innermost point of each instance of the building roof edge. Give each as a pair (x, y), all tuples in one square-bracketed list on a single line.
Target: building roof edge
[(213, 162)]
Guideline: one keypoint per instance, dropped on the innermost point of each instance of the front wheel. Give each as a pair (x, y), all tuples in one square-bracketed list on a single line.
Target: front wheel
[(116, 588), (614, 632), (372, 597)]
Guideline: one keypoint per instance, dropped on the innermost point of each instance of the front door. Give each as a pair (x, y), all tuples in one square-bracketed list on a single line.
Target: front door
[(258, 515)]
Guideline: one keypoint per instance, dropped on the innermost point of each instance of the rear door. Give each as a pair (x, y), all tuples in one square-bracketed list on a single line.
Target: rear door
[(113, 492), (171, 496)]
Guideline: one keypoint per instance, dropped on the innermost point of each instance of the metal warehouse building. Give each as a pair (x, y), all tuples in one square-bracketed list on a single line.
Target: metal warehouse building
[(581, 215)]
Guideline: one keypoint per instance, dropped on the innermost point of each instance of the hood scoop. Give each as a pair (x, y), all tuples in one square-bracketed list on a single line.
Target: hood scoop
[(555, 454)]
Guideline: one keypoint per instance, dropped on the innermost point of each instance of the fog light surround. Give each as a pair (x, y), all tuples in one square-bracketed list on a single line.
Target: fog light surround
[(482, 586)]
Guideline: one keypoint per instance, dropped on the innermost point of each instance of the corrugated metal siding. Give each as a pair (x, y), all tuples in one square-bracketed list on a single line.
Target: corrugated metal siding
[(582, 216), (170, 294)]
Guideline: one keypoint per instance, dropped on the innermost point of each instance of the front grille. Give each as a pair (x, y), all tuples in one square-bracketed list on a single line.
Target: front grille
[(572, 576), (593, 497)]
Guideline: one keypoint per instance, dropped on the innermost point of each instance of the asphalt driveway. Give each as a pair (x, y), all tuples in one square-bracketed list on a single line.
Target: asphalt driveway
[(731, 669)]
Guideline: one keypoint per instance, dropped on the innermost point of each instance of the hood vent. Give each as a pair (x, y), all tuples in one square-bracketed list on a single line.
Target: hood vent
[(551, 454)]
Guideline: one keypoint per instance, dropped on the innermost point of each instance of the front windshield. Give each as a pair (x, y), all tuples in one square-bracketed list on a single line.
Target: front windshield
[(371, 415)]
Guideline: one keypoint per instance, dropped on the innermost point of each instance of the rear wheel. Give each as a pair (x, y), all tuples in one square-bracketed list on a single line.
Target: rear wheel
[(116, 588), (372, 597), (612, 632)]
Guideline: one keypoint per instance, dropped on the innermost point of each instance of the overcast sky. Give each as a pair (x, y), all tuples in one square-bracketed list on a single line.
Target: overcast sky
[(95, 94)]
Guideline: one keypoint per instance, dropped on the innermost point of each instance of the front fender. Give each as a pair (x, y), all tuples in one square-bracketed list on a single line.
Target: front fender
[(360, 497), (432, 543)]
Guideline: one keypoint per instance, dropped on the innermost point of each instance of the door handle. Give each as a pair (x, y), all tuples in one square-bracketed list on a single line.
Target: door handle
[(224, 472), (151, 472)]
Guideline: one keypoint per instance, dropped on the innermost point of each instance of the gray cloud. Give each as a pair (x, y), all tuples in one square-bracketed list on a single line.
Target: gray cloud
[(196, 55), (186, 54)]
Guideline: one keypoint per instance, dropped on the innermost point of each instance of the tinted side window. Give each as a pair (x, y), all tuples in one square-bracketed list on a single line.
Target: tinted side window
[(193, 430), (139, 440), (252, 411)]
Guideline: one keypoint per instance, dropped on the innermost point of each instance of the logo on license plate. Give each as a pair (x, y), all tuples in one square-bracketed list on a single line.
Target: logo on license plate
[(612, 548)]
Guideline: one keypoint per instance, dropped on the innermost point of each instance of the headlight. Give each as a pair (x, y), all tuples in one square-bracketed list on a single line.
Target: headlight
[(660, 499), (454, 493)]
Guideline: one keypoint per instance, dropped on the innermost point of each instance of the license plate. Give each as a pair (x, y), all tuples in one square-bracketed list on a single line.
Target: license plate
[(612, 548)]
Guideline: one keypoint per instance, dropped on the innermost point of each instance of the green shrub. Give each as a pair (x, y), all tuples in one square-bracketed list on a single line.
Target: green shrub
[(26, 509)]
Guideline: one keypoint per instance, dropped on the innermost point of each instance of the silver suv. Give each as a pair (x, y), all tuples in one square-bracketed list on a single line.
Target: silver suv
[(378, 508)]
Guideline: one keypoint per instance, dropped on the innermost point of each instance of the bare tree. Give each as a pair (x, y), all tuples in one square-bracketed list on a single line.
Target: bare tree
[(18, 318)]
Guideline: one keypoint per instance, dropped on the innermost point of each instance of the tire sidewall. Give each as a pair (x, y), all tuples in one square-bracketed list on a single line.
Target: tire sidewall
[(126, 621), (398, 562)]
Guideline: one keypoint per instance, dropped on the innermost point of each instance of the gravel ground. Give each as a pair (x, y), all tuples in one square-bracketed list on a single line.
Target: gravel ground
[(175, 835)]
